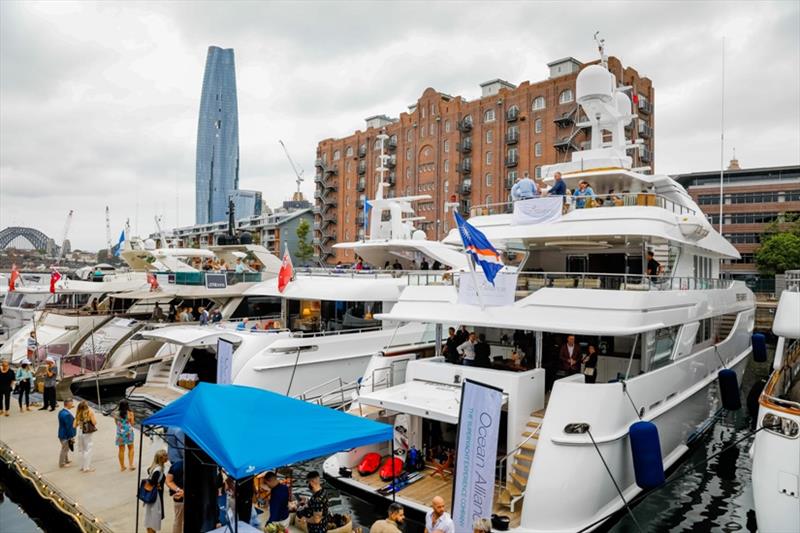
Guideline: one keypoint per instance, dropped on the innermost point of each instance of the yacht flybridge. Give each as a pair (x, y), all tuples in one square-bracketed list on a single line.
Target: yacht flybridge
[(581, 280), (776, 449)]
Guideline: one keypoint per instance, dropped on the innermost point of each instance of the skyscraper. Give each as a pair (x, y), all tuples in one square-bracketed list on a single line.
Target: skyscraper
[(217, 166)]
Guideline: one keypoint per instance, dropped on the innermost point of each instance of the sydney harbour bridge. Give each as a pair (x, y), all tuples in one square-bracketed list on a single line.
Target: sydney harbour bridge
[(36, 238)]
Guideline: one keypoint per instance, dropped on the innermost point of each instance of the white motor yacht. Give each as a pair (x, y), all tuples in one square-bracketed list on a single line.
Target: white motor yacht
[(579, 283), (776, 449)]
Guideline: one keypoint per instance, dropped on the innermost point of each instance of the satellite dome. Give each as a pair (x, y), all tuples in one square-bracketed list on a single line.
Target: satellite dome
[(623, 107), (149, 244), (594, 82), (419, 235), (245, 238)]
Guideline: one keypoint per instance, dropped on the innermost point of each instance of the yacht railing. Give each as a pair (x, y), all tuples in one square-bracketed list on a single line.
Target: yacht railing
[(792, 280), (785, 378), (528, 282), (331, 396), (571, 203), (199, 278)]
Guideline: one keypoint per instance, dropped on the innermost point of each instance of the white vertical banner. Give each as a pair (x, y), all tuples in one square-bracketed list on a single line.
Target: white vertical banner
[(224, 361), (476, 456)]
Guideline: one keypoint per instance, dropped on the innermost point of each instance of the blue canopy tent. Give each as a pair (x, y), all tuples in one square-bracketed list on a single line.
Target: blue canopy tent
[(247, 431)]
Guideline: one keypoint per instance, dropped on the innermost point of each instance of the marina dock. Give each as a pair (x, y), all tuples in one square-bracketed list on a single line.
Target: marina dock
[(99, 501)]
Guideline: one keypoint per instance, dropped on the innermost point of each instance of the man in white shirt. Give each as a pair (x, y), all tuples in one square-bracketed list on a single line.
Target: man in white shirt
[(467, 350), (437, 520)]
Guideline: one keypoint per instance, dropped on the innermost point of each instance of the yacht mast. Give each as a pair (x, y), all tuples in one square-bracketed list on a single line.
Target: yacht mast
[(722, 140)]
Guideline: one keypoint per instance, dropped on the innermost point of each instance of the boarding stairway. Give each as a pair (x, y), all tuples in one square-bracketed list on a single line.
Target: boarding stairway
[(512, 486)]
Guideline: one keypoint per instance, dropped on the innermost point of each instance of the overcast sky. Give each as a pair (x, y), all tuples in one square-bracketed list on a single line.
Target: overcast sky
[(99, 101)]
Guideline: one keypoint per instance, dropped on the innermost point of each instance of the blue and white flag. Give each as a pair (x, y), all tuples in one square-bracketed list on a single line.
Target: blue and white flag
[(117, 249), (367, 207), (479, 247)]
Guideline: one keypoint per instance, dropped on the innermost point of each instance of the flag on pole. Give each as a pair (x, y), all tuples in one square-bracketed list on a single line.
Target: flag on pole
[(117, 249), (478, 246), (367, 207), (55, 275), (286, 272), (152, 280), (12, 280)]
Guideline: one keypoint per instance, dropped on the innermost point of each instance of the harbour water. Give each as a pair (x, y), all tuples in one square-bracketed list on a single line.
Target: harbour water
[(708, 491)]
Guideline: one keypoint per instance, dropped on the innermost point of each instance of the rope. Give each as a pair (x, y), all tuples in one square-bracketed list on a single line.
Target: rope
[(625, 390), (619, 491)]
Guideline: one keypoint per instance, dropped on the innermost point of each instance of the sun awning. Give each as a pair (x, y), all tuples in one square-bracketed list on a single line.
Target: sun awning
[(191, 335), (247, 430), (436, 401)]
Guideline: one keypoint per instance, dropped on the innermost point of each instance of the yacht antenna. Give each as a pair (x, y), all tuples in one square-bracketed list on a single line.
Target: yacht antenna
[(161, 234), (601, 47), (64, 238), (297, 173), (108, 231), (722, 140)]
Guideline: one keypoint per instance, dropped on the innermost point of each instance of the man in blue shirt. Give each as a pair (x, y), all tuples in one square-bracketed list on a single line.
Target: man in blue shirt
[(66, 432), (278, 500), (524, 189), (175, 444), (583, 191), (559, 188)]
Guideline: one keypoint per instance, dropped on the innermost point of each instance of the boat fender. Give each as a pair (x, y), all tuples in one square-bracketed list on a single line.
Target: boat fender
[(759, 347), (646, 450), (369, 464), (729, 389), (391, 468), (500, 522)]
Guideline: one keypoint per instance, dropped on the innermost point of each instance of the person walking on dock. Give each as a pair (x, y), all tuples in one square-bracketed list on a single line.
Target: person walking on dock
[(66, 432), (175, 484), (32, 346), (125, 422), (50, 379), (392, 523), (24, 385), (437, 519), (7, 379), (157, 475), (86, 424)]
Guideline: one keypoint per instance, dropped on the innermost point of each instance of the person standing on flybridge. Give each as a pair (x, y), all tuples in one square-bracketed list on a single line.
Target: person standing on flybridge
[(524, 189)]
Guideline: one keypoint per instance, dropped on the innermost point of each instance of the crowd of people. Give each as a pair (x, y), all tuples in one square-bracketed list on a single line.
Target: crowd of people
[(360, 265), (220, 265), (583, 196), (463, 347)]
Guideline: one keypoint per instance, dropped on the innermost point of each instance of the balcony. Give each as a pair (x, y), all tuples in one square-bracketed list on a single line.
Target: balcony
[(361, 184), (645, 131), (512, 137), (360, 204), (512, 114), (509, 183), (465, 167), (512, 161), (362, 168), (391, 179), (360, 219), (392, 161), (362, 152), (565, 144), (465, 146), (466, 187), (565, 120), (645, 155), (645, 106), (393, 142), (465, 125)]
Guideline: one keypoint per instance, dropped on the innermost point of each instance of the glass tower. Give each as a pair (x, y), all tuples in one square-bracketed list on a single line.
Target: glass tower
[(217, 166)]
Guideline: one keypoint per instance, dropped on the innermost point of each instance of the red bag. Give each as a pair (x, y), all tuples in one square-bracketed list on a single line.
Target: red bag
[(392, 468), (369, 464)]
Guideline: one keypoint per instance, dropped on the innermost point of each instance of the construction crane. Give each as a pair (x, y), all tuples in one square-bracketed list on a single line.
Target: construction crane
[(108, 232), (64, 238), (161, 234), (298, 173)]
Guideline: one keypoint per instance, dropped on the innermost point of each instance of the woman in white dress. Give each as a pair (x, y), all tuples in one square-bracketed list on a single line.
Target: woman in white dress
[(157, 474)]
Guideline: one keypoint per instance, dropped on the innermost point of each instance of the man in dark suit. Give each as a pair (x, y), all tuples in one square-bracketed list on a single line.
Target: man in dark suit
[(570, 356), (452, 342)]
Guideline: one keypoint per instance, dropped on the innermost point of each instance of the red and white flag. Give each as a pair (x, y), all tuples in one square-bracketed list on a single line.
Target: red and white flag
[(12, 280), (152, 280), (55, 275), (286, 272)]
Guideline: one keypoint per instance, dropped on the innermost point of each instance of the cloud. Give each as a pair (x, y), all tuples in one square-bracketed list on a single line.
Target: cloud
[(99, 101)]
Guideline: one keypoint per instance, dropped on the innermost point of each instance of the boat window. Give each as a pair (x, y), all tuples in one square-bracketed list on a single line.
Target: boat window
[(258, 306), (662, 346), (703, 332), (13, 299)]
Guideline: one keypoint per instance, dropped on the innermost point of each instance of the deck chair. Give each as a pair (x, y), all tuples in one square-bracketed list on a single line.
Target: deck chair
[(440, 468)]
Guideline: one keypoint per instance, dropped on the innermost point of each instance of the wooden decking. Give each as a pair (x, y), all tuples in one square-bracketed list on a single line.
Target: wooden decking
[(158, 395), (425, 489)]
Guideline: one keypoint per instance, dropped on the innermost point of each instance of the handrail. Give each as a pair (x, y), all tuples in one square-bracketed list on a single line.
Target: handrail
[(501, 480), (526, 439), (638, 199)]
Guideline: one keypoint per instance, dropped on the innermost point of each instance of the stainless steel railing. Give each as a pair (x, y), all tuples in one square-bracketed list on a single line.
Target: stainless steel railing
[(596, 201)]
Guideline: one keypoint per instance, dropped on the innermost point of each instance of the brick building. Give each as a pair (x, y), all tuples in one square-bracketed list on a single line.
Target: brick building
[(753, 198), (469, 151)]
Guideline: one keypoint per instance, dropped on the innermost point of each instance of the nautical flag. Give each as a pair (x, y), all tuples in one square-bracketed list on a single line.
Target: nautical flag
[(367, 207), (152, 280), (477, 245), (55, 275), (12, 281), (117, 249), (287, 270)]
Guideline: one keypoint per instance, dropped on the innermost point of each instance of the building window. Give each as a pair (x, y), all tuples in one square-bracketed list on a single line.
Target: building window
[(422, 131), (537, 149), (512, 175), (422, 110), (337, 155), (512, 154), (447, 165), (565, 97), (432, 129), (377, 145), (324, 158), (446, 146), (488, 199), (537, 172), (408, 154), (488, 116), (447, 126), (349, 166), (537, 125), (433, 110), (488, 158), (538, 103), (349, 152), (408, 175), (409, 135), (488, 179), (489, 137)]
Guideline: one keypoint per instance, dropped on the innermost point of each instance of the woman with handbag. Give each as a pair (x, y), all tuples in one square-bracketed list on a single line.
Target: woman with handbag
[(86, 424), (156, 475), (590, 364)]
